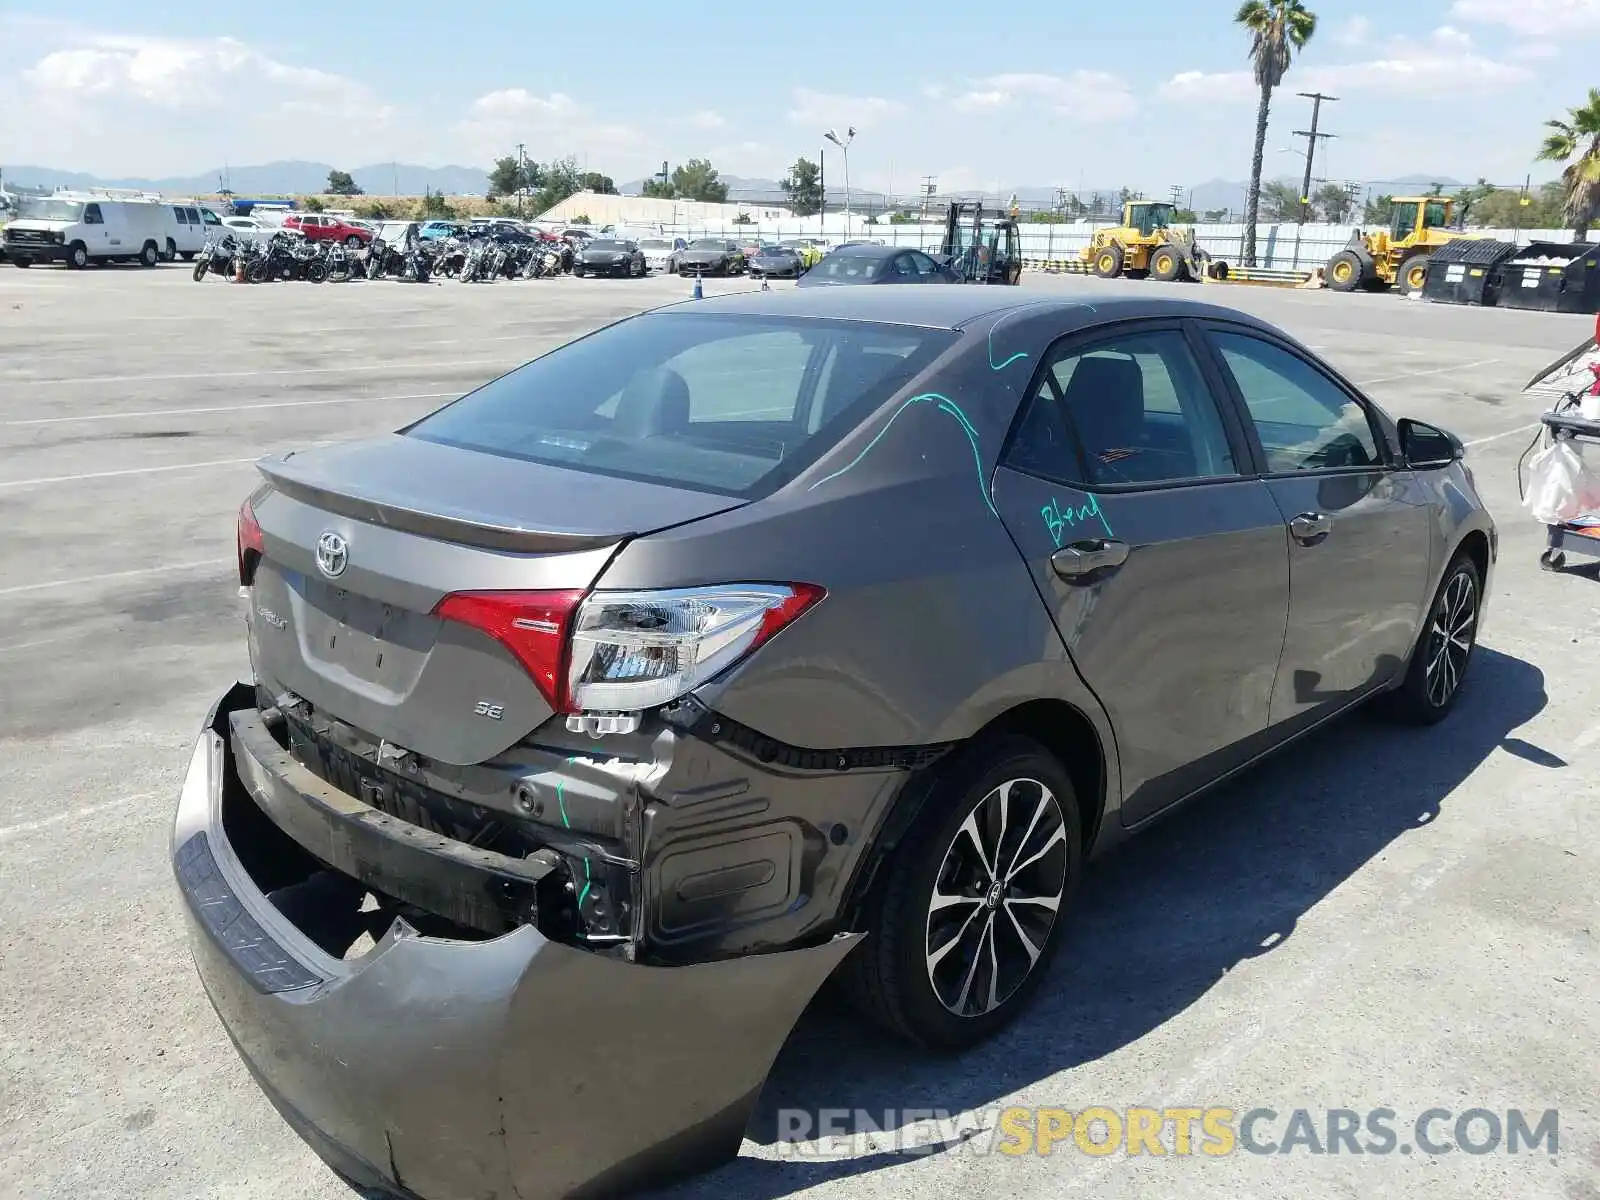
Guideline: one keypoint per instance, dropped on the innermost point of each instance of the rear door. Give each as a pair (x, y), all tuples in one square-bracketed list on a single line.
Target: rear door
[(1127, 487), (1357, 524)]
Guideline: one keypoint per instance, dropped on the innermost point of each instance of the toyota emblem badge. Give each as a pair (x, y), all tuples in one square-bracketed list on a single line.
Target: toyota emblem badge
[(333, 554)]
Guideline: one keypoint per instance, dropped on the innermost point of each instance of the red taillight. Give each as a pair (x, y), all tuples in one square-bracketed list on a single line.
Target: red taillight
[(251, 544), (532, 625), (779, 615)]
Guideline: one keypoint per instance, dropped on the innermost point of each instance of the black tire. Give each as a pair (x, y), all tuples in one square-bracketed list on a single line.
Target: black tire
[(149, 255), (187, 256), (1439, 662), (77, 256), (170, 254), (24, 263), (1108, 261), (1166, 264), (200, 270), (1553, 560), (316, 273), (1345, 271), (256, 272), (1413, 274), (890, 977), (577, 272)]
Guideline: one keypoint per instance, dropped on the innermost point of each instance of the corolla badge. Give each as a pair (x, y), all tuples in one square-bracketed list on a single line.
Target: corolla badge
[(333, 554)]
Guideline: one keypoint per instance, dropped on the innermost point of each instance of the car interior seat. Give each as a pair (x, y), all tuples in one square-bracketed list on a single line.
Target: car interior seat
[(655, 402)]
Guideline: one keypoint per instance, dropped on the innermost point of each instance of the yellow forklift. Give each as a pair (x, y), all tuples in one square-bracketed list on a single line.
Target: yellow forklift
[(1146, 244), (981, 245), (1398, 255)]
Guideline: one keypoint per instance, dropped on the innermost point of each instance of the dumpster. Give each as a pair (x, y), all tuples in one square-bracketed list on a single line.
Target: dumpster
[(1467, 271), (1553, 277)]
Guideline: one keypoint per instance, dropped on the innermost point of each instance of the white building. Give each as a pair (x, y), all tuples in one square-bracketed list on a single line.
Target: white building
[(648, 211)]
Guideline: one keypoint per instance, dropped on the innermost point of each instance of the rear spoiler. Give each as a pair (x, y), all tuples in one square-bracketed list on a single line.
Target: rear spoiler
[(393, 513)]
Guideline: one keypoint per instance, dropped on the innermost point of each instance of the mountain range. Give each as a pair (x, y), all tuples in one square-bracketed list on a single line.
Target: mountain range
[(408, 179)]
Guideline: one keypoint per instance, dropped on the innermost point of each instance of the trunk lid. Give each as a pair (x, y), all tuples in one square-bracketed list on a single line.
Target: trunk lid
[(410, 522)]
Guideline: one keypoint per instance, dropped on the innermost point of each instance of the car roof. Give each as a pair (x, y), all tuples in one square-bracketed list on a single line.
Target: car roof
[(869, 250), (954, 307)]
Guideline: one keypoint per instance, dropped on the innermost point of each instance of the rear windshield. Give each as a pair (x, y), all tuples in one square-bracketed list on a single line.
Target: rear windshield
[(847, 266), (730, 404), (606, 244)]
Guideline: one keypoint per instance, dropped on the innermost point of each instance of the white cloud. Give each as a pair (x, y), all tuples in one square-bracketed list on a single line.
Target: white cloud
[(1084, 95), (1437, 67), (552, 126), (823, 110), (1533, 18), (706, 119), (149, 105), (1213, 87), (1353, 32)]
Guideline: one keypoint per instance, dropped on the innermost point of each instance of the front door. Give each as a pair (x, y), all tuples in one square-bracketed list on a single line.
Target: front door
[(1165, 567), (1357, 525)]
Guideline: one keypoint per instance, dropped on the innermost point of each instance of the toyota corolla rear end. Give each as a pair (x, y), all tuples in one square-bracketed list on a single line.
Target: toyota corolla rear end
[(487, 899)]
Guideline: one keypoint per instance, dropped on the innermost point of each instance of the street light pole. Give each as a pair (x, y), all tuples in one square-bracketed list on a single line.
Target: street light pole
[(844, 146)]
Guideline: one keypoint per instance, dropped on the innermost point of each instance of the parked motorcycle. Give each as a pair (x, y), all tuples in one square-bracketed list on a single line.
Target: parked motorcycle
[(216, 257)]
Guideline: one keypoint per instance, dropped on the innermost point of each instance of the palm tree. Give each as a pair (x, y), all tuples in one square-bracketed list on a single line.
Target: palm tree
[(1277, 29), (1578, 135)]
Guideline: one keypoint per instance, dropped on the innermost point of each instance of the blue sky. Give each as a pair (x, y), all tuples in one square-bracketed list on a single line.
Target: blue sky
[(1055, 94)]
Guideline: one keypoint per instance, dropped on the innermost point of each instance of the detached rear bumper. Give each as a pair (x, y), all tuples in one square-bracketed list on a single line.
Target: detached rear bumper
[(448, 1069)]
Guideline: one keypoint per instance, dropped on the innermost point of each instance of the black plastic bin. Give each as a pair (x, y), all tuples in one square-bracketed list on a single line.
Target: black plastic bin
[(1553, 277), (1467, 271)]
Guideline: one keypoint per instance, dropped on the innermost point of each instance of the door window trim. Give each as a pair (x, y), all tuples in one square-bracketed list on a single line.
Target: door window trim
[(1213, 351), (1242, 448)]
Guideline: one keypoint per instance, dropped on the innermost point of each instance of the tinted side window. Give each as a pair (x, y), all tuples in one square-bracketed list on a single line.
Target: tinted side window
[(1131, 409), (178, 213), (92, 215), (1305, 421)]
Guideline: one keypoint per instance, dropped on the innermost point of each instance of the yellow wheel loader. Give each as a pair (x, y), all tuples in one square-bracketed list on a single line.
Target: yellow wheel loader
[(1146, 244), (1399, 255)]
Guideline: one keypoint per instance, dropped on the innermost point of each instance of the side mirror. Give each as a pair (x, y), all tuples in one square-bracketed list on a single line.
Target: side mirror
[(1427, 446)]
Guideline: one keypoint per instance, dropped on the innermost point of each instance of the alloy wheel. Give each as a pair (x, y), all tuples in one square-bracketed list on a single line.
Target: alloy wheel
[(1450, 638), (996, 897)]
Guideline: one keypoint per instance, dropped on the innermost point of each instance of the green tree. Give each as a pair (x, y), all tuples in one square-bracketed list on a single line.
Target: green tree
[(1278, 201), (1468, 198), (697, 180), (743, 219), (593, 181), (434, 207), (1277, 29), (507, 178), (374, 210), (341, 184), (659, 189), (1332, 203), (1378, 212), (313, 204), (1184, 216), (803, 187), (902, 217), (1576, 142), (580, 219), (556, 180)]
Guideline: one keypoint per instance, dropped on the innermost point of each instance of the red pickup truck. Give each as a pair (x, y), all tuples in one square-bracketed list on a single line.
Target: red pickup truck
[(319, 228)]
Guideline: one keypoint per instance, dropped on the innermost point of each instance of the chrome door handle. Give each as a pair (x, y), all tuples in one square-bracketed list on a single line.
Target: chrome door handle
[(1310, 528), (1085, 558)]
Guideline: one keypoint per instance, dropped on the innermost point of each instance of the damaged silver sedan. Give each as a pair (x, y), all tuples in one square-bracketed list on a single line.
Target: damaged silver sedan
[(597, 717)]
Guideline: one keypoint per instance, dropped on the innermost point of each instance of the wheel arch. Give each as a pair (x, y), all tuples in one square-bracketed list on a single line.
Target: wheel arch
[(1065, 730)]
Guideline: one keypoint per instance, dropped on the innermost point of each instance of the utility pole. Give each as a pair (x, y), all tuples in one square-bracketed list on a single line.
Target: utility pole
[(1311, 135), (522, 176), (1176, 192)]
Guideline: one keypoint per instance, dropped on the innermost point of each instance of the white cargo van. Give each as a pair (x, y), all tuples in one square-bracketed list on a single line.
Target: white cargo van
[(194, 223), (78, 229)]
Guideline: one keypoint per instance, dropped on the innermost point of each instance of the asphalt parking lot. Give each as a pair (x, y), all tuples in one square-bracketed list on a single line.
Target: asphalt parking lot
[(1385, 918)]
